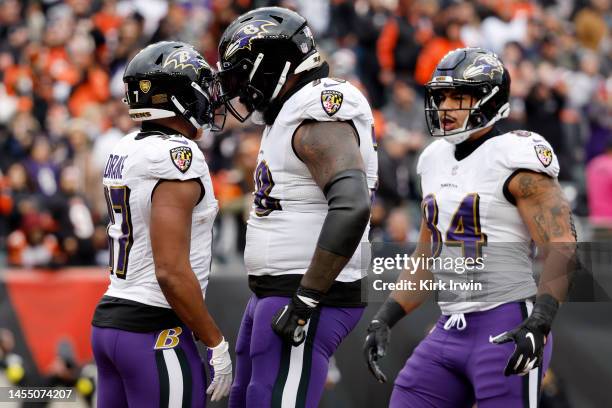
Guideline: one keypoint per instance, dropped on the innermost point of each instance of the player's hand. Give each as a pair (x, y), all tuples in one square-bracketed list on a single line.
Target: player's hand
[(221, 371), (528, 350), (529, 337), (289, 321), (375, 347)]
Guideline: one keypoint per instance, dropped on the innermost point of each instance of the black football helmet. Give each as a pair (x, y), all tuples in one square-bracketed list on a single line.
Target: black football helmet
[(171, 78), (478, 73), (256, 54)]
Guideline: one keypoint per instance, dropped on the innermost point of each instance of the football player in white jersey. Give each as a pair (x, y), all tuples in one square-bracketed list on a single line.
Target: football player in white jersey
[(160, 201), (316, 167), (487, 196)]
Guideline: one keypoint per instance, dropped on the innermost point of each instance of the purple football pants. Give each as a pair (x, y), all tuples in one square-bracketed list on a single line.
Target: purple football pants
[(270, 373), (148, 370), (457, 368)]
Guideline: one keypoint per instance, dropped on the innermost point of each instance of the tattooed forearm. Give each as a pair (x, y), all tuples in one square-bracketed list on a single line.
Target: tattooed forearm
[(540, 223), (543, 207), (548, 217)]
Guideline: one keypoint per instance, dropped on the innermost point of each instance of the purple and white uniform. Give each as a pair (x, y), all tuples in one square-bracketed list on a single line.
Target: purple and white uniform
[(470, 214), (288, 212), (146, 356)]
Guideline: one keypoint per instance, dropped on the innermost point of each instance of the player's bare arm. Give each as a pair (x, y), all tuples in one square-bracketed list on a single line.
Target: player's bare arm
[(331, 153), (171, 211), (398, 304), (172, 206), (548, 217), (412, 299)]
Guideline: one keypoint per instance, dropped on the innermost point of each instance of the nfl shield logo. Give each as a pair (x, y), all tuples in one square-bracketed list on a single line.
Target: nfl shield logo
[(544, 154), (181, 158), (331, 101)]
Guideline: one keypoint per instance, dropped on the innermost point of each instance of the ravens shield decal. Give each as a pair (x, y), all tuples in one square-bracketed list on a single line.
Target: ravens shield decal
[(181, 158), (331, 101), (544, 153)]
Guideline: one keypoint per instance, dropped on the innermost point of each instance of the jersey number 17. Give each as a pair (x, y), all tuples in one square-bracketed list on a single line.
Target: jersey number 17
[(119, 229)]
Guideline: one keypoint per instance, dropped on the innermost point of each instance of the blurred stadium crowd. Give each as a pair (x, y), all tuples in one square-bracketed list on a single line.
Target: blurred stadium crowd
[(61, 67)]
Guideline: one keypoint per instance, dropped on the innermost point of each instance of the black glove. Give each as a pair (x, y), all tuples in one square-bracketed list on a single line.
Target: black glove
[(290, 320), (379, 336), (375, 347), (530, 337)]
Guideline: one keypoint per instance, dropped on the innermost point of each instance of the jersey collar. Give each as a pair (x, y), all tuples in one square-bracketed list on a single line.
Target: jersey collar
[(464, 149), (155, 128)]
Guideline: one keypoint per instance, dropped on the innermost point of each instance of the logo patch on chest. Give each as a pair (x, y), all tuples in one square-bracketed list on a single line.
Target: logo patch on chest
[(181, 158), (331, 101), (544, 154)]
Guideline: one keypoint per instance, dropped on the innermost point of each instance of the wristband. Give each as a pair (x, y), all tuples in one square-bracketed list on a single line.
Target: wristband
[(390, 312), (310, 297), (544, 311)]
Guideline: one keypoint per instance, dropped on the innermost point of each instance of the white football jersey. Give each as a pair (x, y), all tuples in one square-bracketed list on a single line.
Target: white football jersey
[(133, 170), (289, 207), (465, 208)]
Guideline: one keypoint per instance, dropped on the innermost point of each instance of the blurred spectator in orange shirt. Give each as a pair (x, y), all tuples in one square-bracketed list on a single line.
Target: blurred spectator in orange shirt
[(92, 85), (591, 26), (436, 48), (107, 20), (402, 37)]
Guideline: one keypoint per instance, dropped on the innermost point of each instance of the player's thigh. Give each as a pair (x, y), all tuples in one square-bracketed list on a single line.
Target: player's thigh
[(495, 390), (283, 375), (110, 392), (426, 382), (266, 351), (242, 376), (326, 331), (161, 369)]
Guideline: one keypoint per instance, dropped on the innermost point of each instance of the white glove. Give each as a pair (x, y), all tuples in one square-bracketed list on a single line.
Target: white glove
[(220, 371)]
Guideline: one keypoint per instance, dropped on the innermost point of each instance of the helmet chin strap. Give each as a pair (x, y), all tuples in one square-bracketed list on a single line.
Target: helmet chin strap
[(186, 114), (281, 80), (260, 57), (257, 116)]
